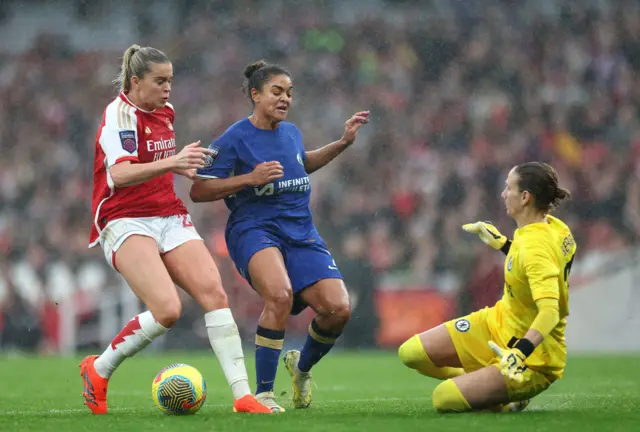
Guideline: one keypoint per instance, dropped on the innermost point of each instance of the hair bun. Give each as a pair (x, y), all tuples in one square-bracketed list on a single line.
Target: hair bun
[(562, 193), (253, 67)]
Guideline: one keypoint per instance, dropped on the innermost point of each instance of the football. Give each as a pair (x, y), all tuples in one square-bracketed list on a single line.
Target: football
[(179, 389)]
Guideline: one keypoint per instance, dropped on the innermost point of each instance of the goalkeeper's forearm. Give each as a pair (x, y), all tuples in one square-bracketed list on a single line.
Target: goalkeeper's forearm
[(546, 320)]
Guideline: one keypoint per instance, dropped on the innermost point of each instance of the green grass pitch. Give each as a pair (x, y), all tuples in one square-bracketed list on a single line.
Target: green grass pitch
[(365, 392)]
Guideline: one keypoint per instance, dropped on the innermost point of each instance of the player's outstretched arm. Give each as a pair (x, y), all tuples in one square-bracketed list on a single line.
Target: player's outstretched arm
[(489, 235), (214, 189), (316, 159), (129, 174)]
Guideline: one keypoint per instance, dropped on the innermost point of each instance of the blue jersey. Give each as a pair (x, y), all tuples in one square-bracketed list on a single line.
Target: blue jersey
[(282, 205), (276, 214)]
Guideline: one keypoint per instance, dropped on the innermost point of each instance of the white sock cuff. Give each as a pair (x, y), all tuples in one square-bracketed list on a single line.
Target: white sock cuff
[(219, 318), (150, 327)]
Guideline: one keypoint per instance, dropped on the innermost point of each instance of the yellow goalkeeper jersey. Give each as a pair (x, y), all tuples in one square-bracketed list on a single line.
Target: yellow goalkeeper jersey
[(537, 266)]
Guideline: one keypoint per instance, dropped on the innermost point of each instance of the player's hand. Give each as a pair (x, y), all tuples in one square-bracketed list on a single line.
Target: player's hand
[(192, 156), (354, 124), (487, 233), (511, 362), (188, 173), (266, 172)]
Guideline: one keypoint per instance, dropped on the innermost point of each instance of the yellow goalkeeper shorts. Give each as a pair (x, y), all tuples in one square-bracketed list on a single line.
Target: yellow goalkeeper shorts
[(470, 335)]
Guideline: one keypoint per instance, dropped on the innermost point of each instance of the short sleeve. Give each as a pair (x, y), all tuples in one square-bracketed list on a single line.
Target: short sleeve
[(119, 135), (220, 164)]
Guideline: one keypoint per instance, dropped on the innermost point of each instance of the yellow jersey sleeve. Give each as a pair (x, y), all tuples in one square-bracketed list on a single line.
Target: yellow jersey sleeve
[(548, 316), (541, 269)]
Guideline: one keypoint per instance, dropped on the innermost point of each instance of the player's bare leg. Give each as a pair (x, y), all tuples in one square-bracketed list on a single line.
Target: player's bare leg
[(432, 353), (193, 269), (330, 300), (439, 346), (269, 278), (138, 260)]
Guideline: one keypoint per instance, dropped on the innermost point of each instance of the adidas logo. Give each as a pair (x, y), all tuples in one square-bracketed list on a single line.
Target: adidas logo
[(147, 130)]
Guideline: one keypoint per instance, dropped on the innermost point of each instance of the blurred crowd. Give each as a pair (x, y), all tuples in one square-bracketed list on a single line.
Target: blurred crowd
[(458, 96)]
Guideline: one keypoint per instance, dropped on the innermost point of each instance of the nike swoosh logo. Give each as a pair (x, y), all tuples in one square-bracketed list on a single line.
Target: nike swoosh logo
[(495, 236), (266, 382), (333, 268)]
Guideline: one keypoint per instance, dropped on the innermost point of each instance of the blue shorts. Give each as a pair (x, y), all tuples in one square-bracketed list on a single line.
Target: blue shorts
[(307, 262)]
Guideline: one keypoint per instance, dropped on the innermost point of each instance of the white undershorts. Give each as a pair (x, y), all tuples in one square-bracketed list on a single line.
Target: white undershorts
[(169, 232)]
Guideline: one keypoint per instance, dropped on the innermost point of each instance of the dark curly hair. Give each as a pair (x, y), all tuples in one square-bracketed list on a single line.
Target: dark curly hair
[(257, 74)]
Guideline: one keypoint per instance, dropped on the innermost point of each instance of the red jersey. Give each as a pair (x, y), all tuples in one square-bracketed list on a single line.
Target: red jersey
[(128, 133)]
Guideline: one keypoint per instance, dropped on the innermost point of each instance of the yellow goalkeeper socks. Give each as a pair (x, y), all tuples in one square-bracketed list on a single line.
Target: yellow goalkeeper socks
[(413, 355), (447, 398)]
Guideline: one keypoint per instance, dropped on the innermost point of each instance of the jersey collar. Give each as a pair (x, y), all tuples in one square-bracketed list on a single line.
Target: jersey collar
[(124, 97)]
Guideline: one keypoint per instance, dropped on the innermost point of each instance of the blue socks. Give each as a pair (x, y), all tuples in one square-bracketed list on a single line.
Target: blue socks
[(318, 343), (268, 347)]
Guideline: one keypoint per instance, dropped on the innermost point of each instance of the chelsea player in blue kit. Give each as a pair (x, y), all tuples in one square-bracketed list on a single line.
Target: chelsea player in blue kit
[(260, 168)]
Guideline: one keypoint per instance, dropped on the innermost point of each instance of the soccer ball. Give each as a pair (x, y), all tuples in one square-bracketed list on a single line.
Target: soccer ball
[(179, 389)]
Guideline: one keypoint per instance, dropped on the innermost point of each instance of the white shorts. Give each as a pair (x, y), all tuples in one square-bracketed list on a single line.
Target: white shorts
[(169, 232)]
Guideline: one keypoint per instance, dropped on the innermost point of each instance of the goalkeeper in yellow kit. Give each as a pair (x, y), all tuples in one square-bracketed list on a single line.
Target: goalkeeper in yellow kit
[(500, 357)]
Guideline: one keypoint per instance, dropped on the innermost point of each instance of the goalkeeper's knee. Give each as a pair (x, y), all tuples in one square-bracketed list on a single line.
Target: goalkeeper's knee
[(413, 355), (447, 398)]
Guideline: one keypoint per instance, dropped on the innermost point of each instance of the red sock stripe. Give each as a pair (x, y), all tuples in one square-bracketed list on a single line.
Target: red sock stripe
[(128, 330)]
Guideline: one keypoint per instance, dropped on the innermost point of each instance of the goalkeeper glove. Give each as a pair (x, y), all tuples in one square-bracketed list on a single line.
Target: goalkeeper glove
[(488, 234), (512, 359)]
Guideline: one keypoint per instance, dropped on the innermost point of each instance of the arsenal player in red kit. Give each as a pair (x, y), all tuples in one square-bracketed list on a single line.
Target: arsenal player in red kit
[(146, 232)]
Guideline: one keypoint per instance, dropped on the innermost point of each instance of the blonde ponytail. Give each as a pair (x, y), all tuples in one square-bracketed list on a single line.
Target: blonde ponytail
[(123, 79)]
